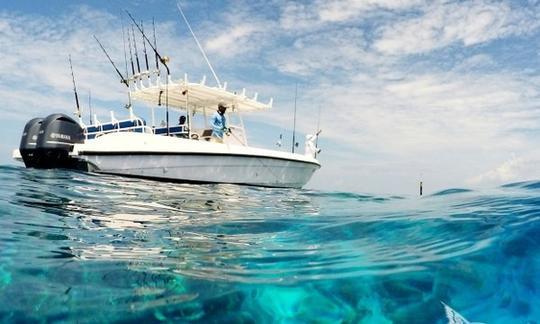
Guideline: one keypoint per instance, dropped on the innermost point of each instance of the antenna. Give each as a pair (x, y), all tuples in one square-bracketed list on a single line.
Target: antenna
[(123, 80), (75, 88), (294, 125), (198, 44), (318, 131), (90, 104), (319, 119)]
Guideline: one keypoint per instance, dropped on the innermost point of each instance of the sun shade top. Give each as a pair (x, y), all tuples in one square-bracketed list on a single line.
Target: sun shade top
[(195, 96)]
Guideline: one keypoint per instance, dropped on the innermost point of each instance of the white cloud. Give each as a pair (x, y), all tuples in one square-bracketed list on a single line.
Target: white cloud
[(37, 51), (445, 23), (513, 170), (449, 116), (332, 50), (342, 10), (297, 15), (447, 126), (427, 112), (234, 40), (475, 62), (319, 13), (36, 79)]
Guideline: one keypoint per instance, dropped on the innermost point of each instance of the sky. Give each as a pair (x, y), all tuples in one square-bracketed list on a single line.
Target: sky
[(443, 92)]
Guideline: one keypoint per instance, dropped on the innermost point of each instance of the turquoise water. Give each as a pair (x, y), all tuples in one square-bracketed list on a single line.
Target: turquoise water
[(77, 247)]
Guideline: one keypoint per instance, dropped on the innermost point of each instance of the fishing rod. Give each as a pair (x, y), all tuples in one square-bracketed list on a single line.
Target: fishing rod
[(198, 44), (124, 43), (123, 80), (163, 60), (130, 54), (125, 60), (75, 88), (144, 50), (155, 45), (135, 48)]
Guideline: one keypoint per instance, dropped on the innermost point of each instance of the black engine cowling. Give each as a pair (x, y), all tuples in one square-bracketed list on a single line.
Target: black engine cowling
[(27, 147), (55, 138)]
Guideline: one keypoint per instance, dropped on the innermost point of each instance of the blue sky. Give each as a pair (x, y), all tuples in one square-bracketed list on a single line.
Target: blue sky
[(443, 91)]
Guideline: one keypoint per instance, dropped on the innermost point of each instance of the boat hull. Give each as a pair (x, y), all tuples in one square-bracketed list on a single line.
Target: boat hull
[(186, 160), (204, 167)]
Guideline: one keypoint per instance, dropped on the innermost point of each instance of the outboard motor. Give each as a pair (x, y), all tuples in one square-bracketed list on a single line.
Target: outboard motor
[(27, 147), (56, 136)]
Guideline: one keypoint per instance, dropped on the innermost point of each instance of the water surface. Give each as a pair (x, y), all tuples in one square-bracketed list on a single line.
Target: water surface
[(88, 248)]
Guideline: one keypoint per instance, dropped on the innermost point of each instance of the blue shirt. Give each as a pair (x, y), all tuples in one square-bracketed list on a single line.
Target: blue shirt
[(219, 123)]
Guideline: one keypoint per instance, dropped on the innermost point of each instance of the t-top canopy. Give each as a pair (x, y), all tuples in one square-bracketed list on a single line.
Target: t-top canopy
[(196, 96)]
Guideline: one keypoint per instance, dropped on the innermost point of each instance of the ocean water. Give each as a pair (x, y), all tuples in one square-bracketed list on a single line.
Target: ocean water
[(78, 247)]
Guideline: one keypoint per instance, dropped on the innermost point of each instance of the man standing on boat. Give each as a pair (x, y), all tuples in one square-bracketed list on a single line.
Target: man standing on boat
[(219, 124)]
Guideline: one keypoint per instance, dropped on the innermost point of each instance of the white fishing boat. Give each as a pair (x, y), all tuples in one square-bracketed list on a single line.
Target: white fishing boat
[(184, 153), (188, 154)]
